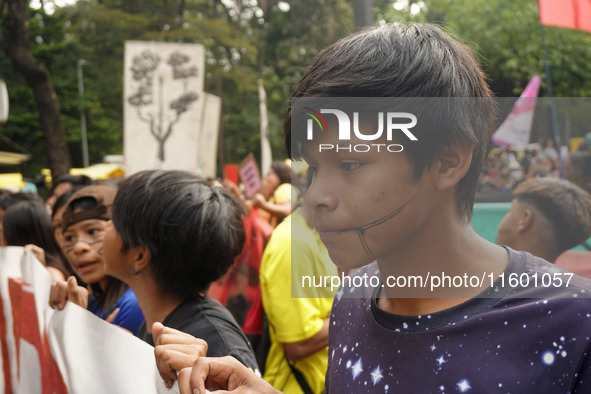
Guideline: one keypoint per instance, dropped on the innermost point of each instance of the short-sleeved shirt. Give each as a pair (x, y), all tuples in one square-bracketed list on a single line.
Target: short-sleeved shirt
[(130, 315), (284, 192), (294, 250), (206, 318), (525, 340)]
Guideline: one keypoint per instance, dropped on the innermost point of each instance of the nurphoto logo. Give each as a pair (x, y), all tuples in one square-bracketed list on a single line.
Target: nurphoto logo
[(394, 121)]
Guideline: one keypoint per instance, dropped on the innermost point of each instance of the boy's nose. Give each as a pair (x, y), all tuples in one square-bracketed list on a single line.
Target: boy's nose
[(81, 246), (321, 194)]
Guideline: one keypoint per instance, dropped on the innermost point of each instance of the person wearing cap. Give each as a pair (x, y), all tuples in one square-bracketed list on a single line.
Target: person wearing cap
[(84, 222)]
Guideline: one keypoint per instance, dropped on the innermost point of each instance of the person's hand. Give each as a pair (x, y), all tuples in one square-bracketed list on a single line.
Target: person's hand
[(112, 316), (67, 291), (233, 188), (224, 373), (37, 252), (175, 350), (258, 200)]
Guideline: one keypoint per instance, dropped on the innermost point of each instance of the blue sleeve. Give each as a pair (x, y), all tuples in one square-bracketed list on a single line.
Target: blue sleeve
[(130, 315)]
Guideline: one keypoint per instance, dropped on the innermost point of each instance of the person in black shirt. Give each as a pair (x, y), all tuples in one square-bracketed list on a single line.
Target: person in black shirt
[(172, 235)]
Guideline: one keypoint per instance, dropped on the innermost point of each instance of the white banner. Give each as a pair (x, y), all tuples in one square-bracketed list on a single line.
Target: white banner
[(69, 351)]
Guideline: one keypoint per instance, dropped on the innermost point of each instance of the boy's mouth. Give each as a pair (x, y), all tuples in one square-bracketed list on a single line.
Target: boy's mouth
[(328, 235), (86, 266)]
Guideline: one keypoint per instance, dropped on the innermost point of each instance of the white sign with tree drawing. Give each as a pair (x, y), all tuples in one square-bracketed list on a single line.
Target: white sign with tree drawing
[(163, 104)]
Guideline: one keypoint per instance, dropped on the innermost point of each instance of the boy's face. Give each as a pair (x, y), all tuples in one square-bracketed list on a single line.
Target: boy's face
[(115, 261), (365, 205), (82, 242)]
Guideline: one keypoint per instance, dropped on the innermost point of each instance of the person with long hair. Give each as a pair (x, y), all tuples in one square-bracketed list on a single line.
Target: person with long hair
[(27, 223), (84, 223)]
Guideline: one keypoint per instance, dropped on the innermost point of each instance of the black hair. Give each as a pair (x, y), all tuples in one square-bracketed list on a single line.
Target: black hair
[(74, 180), (12, 198), (193, 231), (410, 60), (282, 170), (28, 222), (566, 206)]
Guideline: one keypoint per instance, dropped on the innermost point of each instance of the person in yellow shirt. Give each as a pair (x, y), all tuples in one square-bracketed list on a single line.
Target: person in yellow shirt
[(298, 326), (277, 195)]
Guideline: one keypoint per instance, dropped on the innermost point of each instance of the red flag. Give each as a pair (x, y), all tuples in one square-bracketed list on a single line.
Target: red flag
[(572, 14)]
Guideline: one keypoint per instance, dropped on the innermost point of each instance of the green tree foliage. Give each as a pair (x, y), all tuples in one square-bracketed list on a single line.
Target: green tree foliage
[(250, 39)]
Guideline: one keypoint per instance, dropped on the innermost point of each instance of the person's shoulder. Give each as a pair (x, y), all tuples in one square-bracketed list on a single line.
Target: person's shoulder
[(198, 313), (534, 282), (555, 281), (284, 192)]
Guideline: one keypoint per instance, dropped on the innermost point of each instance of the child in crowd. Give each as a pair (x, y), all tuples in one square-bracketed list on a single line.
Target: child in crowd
[(410, 211), (63, 184), (84, 222), (27, 223), (173, 235), (547, 217)]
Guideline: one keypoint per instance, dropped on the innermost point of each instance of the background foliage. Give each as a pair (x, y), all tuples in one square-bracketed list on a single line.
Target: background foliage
[(246, 40)]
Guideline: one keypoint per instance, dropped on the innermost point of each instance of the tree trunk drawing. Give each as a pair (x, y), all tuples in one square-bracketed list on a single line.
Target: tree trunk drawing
[(144, 69)]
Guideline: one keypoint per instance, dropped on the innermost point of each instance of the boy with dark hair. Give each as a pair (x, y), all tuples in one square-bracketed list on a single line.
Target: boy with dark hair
[(443, 310), (547, 217), (410, 211), (172, 235)]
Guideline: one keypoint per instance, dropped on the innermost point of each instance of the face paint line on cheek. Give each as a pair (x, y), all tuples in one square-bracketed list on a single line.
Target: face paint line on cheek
[(361, 231)]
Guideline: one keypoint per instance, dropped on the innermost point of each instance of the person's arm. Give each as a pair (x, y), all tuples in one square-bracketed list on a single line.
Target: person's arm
[(280, 211), (299, 350), (223, 373)]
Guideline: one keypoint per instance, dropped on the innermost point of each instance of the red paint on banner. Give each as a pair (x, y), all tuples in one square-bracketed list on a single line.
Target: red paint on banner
[(26, 327), (5, 363)]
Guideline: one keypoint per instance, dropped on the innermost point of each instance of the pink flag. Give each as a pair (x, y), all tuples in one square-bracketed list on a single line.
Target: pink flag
[(516, 128)]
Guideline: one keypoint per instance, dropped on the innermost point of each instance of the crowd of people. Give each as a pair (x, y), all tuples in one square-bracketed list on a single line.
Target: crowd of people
[(505, 168), (153, 255)]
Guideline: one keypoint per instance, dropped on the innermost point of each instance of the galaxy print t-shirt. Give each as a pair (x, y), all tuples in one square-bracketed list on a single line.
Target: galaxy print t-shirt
[(524, 340)]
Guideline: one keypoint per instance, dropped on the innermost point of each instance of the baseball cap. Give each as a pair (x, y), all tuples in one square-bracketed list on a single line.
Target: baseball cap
[(103, 197)]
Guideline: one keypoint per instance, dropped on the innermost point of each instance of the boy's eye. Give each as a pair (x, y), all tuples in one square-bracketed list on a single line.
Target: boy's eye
[(93, 231), (350, 166), (312, 170), (68, 238)]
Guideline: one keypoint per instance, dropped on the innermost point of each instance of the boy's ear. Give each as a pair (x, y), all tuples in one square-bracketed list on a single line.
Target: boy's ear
[(453, 163), (141, 259), (526, 220)]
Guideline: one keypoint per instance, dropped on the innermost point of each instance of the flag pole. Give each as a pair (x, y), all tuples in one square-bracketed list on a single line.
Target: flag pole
[(549, 83)]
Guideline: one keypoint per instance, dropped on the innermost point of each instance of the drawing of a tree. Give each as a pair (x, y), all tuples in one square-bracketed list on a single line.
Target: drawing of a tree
[(160, 120)]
